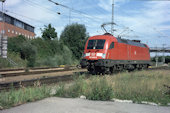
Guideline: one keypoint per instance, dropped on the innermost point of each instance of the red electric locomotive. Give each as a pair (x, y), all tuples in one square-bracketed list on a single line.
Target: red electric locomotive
[(105, 53)]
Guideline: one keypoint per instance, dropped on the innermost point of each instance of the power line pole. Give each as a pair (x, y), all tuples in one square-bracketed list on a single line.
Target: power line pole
[(112, 24), (163, 57), (156, 58), (3, 19), (3, 38), (2, 30)]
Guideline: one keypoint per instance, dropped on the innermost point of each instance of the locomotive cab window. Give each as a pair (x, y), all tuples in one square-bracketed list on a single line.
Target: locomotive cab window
[(111, 45), (96, 44)]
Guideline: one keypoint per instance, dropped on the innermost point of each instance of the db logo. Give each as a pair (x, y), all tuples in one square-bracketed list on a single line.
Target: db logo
[(93, 54)]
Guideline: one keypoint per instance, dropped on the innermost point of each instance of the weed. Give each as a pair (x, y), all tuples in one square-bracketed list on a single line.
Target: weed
[(137, 86), (142, 86), (77, 88), (60, 91), (99, 89), (17, 97), (94, 89)]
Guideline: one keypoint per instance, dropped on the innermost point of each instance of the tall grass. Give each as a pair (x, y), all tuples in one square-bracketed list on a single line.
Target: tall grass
[(142, 86), (76, 89), (4, 63), (95, 88), (137, 86), (99, 89), (17, 97)]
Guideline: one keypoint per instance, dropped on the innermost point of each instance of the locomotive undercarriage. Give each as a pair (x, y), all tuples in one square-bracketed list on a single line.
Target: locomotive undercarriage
[(96, 68)]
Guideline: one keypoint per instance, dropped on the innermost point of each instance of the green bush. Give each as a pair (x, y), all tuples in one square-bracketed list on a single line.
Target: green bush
[(45, 51), (24, 47), (48, 50), (45, 48), (99, 89), (63, 58), (15, 43), (28, 52), (4, 63), (15, 57)]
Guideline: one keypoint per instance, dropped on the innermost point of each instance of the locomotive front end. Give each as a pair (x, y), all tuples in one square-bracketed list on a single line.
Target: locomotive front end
[(95, 51)]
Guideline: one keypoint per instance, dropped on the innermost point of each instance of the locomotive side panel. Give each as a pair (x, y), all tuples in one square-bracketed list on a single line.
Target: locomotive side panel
[(112, 52), (139, 53), (122, 51)]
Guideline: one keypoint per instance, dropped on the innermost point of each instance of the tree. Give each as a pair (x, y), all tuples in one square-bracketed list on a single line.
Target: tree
[(167, 59), (23, 46), (28, 52), (74, 37), (48, 33), (14, 43)]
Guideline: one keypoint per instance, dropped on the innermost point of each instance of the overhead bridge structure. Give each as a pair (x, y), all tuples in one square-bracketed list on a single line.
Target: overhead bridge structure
[(160, 49)]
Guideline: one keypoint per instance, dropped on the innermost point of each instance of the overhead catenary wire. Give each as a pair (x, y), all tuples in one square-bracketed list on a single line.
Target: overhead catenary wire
[(34, 4), (39, 21), (77, 11), (97, 9), (89, 17), (85, 21), (30, 19), (37, 5)]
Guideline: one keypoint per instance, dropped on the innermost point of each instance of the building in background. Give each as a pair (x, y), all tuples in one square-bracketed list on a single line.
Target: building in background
[(13, 27)]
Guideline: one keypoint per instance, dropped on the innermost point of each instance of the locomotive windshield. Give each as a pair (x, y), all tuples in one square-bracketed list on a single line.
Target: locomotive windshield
[(96, 44)]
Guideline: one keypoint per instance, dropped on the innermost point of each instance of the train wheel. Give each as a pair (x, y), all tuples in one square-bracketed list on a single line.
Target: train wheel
[(103, 73), (93, 71)]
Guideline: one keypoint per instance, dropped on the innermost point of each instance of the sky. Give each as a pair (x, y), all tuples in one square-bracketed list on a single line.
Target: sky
[(145, 20)]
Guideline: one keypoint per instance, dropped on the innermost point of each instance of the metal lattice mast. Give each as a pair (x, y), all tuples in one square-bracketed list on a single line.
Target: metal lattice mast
[(112, 24), (2, 31), (163, 56), (156, 58)]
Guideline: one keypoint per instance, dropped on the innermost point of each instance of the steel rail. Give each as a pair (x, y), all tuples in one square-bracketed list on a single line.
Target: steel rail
[(42, 80)]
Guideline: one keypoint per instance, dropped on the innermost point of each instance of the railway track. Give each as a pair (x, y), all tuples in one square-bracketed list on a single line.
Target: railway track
[(24, 79), (160, 68), (32, 82), (33, 71), (23, 69), (44, 76)]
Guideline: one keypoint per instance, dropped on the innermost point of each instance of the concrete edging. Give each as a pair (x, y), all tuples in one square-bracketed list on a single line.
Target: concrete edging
[(130, 101)]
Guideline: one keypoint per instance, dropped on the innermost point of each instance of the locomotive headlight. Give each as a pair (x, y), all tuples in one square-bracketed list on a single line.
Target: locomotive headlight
[(86, 54), (104, 56)]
